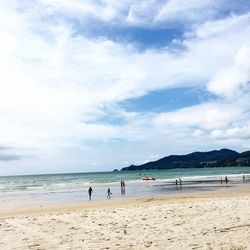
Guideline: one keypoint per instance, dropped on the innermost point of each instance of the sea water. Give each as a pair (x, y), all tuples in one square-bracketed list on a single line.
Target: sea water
[(69, 187)]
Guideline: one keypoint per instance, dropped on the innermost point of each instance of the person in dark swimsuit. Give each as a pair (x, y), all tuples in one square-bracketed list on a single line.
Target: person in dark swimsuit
[(226, 179), (109, 193), (90, 191), (177, 185)]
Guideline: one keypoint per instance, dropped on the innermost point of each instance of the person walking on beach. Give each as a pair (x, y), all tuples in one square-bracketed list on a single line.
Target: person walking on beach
[(226, 179), (109, 193), (180, 182), (122, 187), (243, 178), (90, 191), (176, 184)]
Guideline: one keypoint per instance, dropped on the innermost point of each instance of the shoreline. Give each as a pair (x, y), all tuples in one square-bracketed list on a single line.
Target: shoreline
[(212, 220), (64, 206), (142, 189)]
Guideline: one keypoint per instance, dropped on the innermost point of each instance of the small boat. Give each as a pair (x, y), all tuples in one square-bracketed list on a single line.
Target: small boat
[(148, 178)]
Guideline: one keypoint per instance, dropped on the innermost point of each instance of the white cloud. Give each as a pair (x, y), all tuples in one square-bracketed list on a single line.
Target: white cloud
[(205, 116), (198, 133), (105, 10), (232, 80), (232, 133), (55, 84), (141, 13), (192, 10)]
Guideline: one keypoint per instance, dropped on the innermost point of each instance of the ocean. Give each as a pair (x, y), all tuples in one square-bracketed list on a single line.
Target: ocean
[(70, 187)]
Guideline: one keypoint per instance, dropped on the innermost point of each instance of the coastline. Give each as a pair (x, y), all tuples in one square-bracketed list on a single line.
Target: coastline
[(212, 220), (72, 188), (64, 206)]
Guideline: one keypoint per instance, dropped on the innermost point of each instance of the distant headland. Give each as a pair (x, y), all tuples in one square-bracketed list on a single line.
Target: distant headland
[(215, 158)]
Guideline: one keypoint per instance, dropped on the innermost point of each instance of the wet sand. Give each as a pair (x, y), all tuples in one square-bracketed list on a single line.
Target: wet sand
[(216, 220)]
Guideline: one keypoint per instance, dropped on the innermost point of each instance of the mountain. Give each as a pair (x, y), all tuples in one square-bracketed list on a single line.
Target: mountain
[(215, 158)]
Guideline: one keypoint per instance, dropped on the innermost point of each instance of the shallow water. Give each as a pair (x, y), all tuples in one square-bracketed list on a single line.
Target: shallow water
[(73, 187)]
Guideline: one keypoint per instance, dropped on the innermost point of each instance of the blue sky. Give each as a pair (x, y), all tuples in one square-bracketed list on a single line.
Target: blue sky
[(141, 37), (166, 100), (97, 85)]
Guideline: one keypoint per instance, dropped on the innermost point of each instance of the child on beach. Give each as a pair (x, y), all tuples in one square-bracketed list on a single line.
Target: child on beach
[(109, 193), (90, 191), (122, 187)]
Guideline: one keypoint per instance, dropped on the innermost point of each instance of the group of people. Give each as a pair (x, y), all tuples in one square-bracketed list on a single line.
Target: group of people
[(178, 184), (109, 193), (226, 179)]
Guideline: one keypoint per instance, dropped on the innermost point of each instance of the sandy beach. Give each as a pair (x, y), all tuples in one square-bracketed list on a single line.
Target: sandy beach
[(219, 220)]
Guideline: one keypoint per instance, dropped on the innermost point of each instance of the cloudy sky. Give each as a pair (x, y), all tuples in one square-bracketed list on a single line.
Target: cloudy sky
[(92, 85)]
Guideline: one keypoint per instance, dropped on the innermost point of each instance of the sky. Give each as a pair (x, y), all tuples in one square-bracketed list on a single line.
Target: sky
[(93, 85)]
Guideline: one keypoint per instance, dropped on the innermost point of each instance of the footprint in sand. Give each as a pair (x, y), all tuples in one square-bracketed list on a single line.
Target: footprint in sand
[(148, 244), (74, 228)]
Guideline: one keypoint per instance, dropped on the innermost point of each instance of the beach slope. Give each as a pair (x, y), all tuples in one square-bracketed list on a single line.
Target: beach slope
[(195, 221)]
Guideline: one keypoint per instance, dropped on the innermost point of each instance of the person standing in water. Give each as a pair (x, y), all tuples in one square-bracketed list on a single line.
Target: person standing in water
[(176, 184), (243, 178), (226, 179), (122, 187), (180, 182), (109, 193), (90, 191)]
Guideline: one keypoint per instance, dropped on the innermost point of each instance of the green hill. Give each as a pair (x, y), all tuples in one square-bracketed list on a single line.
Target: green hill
[(215, 158)]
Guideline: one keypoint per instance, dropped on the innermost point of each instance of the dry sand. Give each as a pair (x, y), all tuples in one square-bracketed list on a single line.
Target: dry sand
[(195, 221)]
